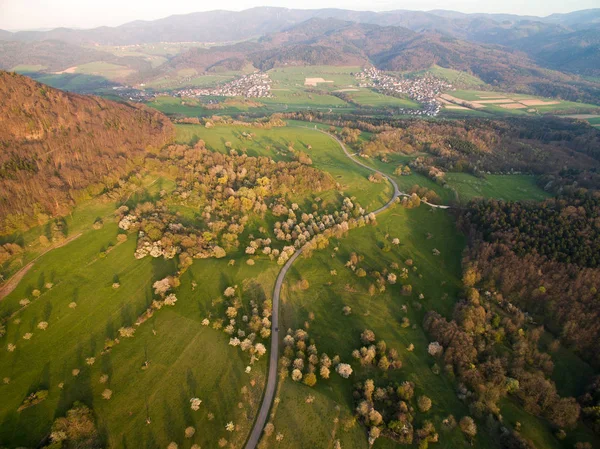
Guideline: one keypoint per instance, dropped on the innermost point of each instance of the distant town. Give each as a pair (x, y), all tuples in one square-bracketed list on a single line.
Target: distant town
[(423, 89), (255, 85)]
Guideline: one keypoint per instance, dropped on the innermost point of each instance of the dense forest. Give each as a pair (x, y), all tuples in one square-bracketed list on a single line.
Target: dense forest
[(56, 147), (542, 259)]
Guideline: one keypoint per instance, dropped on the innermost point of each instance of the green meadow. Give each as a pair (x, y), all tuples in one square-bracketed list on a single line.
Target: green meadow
[(506, 187), (325, 153), (437, 278), (171, 358), (368, 97)]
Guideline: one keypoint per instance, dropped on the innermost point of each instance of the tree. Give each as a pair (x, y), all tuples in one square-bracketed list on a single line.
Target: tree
[(424, 403), (310, 379), (76, 430), (195, 404), (161, 287), (367, 336), (384, 363), (468, 426), (344, 370), (269, 429)]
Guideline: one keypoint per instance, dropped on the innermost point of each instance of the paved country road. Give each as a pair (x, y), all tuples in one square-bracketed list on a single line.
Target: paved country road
[(263, 414)]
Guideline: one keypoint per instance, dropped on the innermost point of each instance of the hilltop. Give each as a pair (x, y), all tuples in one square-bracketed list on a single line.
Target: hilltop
[(56, 146)]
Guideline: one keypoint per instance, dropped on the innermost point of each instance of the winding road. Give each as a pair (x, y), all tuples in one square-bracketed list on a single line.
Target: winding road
[(263, 414)]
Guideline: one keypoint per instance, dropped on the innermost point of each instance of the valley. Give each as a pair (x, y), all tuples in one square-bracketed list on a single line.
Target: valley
[(294, 228)]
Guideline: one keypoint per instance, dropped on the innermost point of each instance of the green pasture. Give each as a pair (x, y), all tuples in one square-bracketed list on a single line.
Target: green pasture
[(506, 187), (436, 277), (368, 97), (105, 69), (185, 359), (295, 77)]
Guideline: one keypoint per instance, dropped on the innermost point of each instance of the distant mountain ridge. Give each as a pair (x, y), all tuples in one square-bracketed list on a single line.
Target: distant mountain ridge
[(537, 36), (334, 42), (227, 26)]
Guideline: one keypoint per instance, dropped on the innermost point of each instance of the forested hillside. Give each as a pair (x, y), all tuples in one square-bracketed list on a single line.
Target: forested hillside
[(56, 146)]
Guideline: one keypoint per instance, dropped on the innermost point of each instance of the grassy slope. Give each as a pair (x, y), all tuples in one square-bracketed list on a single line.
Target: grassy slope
[(326, 155), (186, 359), (335, 333), (104, 69)]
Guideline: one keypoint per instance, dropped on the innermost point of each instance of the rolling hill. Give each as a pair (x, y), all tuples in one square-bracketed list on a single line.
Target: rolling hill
[(55, 147), (319, 41)]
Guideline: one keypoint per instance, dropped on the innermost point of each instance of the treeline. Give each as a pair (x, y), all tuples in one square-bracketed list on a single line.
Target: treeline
[(565, 229), (564, 154), (57, 147)]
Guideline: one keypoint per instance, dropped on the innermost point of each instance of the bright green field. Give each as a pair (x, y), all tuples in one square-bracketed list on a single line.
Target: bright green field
[(540, 431), (104, 69), (294, 77), (189, 80), (300, 98), (507, 187), (73, 82), (172, 105), (594, 121), (368, 97), (24, 68)]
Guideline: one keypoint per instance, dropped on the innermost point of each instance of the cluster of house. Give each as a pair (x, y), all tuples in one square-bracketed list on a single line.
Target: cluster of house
[(423, 89), (255, 85)]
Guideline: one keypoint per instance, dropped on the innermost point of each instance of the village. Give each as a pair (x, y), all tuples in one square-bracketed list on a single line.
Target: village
[(424, 89), (254, 85)]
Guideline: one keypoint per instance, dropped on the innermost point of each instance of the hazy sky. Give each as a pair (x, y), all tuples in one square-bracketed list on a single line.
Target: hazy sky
[(31, 14)]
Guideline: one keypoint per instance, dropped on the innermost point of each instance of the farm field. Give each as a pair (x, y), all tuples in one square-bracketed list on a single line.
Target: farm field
[(189, 79), (74, 82), (509, 103), (301, 99), (27, 68), (104, 69), (368, 97), (296, 77)]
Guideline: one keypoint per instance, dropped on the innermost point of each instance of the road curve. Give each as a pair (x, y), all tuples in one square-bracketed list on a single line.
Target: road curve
[(269, 393)]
